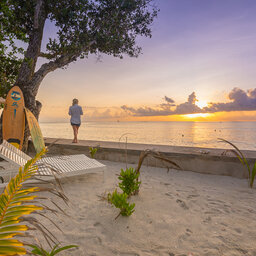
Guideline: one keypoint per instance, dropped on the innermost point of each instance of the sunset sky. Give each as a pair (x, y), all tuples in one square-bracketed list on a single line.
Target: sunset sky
[(201, 52)]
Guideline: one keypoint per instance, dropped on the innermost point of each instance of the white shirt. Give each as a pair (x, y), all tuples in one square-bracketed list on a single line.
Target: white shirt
[(75, 112)]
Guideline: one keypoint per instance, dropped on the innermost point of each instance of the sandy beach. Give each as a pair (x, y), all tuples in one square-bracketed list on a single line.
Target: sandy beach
[(176, 214)]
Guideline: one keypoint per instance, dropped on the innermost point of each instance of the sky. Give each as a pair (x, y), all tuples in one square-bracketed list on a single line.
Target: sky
[(199, 65)]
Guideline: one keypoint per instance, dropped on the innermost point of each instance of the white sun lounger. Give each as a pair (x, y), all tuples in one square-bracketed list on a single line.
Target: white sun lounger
[(61, 166)]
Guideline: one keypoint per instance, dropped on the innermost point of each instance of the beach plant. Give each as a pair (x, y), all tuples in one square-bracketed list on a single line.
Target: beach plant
[(119, 200), (129, 181), (19, 205), (129, 184), (37, 250), (92, 151), (156, 155), (238, 153)]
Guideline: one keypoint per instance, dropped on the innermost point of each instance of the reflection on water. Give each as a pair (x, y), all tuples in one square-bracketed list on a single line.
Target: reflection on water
[(194, 134)]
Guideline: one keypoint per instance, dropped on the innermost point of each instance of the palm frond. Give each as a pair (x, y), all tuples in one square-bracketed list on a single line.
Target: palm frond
[(234, 146), (156, 155), (13, 205), (16, 202), (238, 153), (233, 151)]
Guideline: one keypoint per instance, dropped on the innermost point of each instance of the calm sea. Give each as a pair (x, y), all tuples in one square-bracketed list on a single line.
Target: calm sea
[(193, 134)]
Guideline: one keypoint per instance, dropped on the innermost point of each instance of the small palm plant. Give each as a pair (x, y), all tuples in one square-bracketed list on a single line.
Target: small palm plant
[(129, 181), (129, 185), (17, 203), (238, 153), (92, 151), (119, 200)]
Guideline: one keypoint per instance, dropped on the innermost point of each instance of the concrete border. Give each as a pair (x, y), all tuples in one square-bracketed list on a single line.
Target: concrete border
[(202, 160)]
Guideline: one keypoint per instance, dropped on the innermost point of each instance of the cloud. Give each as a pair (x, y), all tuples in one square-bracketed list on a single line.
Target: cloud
[(188, 107), (168, 104), (169, 100), (166, 109), (55, 113), (146, 111), (103, 113), (240, 101)]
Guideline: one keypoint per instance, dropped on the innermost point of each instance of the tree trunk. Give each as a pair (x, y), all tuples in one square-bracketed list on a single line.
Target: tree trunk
[(27, 70)]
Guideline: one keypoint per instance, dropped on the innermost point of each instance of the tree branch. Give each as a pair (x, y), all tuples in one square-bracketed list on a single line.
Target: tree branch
[(37, 11), (53, 65), (47, 55)]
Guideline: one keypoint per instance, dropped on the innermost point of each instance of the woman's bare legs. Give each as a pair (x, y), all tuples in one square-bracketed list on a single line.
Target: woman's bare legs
[(75, 130)]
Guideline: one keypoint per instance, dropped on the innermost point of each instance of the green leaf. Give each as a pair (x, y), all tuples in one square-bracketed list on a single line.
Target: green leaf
[(253, 175), (240, 156), (8, 242), (39, 251), (24, 208), (129, 181), (10, 222), (19, 213), (12, 208), (14, 228), (12, 250), (62, 249), (8, 235)]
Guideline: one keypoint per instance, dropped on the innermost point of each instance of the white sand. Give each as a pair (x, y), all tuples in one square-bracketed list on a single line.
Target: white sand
[(176, 213)]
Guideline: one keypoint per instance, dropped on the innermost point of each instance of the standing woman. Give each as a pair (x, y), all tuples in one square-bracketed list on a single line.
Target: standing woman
[(75, 111)]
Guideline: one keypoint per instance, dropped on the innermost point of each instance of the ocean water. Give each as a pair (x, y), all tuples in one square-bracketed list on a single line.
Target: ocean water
[(192, 134)]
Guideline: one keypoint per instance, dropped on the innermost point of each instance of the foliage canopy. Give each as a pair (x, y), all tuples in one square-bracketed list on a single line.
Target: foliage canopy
[(82, 27)]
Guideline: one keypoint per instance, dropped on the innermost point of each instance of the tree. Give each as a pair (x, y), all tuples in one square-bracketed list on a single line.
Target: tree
[(9, 61), (84, 27)]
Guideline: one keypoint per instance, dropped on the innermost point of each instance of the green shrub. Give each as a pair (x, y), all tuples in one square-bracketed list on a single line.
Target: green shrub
[(129, 181), (129, 185), (119, 200), (92, 151)]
